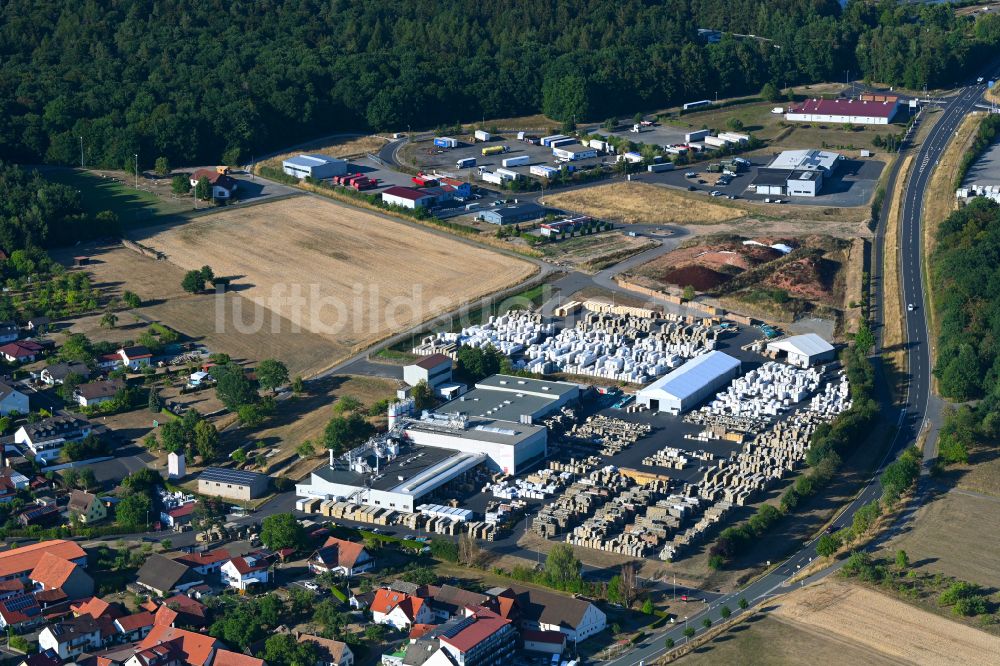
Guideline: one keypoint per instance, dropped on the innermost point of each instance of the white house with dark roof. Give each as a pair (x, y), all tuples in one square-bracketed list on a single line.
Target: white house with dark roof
[(46, 438), (12, 400), (136, 357)]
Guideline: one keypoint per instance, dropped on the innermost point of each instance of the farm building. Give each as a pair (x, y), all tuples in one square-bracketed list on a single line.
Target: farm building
[(407, 197), (853, 111), (796, 173), (688, 385), (515, 214), (434, 369), (803, 350), (314, 166), (231, 483), (574, 151)]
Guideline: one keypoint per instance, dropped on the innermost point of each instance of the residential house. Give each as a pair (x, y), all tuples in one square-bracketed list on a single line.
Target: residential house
[(331, 652), (223, 185), (58, 372), (94, 393), (362, 600), (242, 573), (20, 611), (55, 573), (10, 482), (206, 562), (400, 610), (195, 649), (72, 637), (43, 658), (108, 361), (449, 601), (46, 438), (18, 563), (99, 609), (162, 575), (481, 639), (21, 351), (339, 556), (186, 610), (161, 654), (9, 332), (39, 324), (136, 357), (542, 610), (87, 508), (12, 400), (134, 627), (230, 658)]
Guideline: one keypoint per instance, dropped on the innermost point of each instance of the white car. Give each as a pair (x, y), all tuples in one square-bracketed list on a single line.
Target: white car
[(910, 307), (310, 585), (979, 80), (715, 193)]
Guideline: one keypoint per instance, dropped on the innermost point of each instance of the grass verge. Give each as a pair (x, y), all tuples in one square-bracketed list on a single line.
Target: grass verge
[(893, 344)]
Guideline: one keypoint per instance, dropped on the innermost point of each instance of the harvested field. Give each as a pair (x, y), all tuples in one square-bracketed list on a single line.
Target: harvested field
[(777, 642), (343, 147), (347, 275), (884, 626), (983, 478), (956, 535), (630, 203), (157, 283)]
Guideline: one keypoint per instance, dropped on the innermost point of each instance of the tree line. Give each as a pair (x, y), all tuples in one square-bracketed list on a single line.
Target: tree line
[(206, 81)]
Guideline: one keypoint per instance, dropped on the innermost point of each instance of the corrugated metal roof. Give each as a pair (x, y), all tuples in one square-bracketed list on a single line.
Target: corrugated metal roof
[(690, 377)]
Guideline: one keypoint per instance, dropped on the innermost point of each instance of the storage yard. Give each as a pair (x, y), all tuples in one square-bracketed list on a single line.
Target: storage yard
[(622, 476), (328, 251)]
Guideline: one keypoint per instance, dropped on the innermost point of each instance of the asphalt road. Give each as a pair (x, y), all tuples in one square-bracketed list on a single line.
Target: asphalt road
[(911, 419)]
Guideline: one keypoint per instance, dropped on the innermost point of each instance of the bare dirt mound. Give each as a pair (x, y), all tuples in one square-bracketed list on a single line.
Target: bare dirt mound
[(809, 278), (699, 277)]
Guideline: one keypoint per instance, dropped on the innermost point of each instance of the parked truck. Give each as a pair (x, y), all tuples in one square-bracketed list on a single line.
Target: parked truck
[(423, 180), (515, 161), (445, 142), (494, 150), (482, 135), (467, 163)]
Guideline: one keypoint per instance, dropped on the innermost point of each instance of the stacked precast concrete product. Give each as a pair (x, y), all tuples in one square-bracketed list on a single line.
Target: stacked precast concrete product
[(619, 347), (579, 501), (509, 333), (539, 485), (609, 529), (614, 435)]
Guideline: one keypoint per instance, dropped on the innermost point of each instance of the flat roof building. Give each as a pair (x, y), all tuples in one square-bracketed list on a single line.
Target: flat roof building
[(803, 350), (796, 173), (690, 384), (509, 447), (521, 212), (395, 482), (314, 166), (574, 151), (853, 111), (232, 483), (806, 160)]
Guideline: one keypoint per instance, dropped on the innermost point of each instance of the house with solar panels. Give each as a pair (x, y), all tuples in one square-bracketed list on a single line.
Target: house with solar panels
[(232, 484)]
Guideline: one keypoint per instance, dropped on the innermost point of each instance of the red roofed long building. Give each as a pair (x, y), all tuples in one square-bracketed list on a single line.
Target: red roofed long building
[(482, 639), (20, 562), (853, 111), (407, 197)]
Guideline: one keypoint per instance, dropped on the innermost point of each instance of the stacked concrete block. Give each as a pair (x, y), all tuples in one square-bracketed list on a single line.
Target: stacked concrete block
[(613, 435), (509, 333)]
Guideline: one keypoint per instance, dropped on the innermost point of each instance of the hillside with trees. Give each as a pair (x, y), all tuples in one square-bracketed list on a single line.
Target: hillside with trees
[(197, 82)]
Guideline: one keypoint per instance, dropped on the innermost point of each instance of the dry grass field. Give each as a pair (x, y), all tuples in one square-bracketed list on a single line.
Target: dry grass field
[(770, 641), (594, 253), (884, 627), (158, 283), (345, 274), (343, 147), (983, 478), (632, 202), (956, 535)]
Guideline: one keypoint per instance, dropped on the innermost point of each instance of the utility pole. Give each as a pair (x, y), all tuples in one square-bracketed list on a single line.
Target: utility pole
[(81, 152), (137, 171)]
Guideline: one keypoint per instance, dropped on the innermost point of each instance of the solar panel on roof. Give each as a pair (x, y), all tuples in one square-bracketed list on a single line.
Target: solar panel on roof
[(20, 603), (460, 626), (229, 475)]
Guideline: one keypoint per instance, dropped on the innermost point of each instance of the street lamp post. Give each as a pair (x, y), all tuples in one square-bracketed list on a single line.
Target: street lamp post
[(81, 152), (136, 170), (686, 639)]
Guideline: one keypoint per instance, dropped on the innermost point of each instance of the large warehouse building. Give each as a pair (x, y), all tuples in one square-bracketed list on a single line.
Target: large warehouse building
[(797, 173), (515, 214), (853, 111), (690, 384), (314, 166), (803, 350)]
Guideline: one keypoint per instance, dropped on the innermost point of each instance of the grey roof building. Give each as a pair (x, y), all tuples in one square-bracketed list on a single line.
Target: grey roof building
[(163, 575), (514, 214), (232, 483)]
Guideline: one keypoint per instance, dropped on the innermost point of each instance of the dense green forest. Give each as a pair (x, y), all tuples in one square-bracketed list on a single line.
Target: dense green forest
[(207, 80), (965, 269)]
